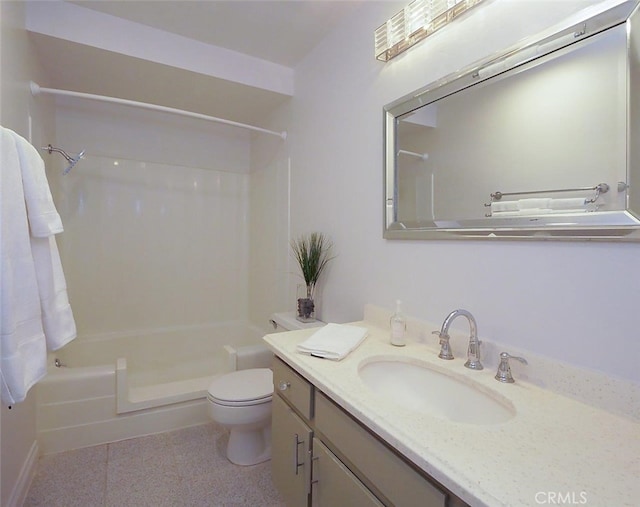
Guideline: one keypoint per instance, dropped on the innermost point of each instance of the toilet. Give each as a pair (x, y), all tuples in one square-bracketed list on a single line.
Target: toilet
[(241, 402)]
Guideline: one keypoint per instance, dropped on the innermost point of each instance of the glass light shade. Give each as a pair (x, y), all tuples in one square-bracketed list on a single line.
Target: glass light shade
[(414, 23)]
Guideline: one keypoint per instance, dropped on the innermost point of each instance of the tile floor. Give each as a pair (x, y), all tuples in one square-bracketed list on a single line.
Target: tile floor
[(184, 468)]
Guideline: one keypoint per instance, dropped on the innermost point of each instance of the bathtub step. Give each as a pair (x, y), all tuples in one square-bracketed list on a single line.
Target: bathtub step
[(140, 398)]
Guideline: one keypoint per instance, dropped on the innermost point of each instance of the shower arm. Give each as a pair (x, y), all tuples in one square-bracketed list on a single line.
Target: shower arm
[(72, 160), (51, 149)]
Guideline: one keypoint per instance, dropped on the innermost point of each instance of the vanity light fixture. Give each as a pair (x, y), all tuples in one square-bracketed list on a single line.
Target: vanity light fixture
[(415, 22)]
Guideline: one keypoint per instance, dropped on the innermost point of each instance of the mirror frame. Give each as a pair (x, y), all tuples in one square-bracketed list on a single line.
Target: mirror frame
[(623, 225)]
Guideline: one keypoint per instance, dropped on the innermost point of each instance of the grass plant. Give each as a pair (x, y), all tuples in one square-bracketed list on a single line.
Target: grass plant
[(312, 252)]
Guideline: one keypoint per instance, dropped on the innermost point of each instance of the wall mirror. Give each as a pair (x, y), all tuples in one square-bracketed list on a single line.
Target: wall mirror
[(542, 141)]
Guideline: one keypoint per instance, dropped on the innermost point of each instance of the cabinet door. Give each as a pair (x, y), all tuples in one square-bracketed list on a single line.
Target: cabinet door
[(383, 469), (334, 484), (290, 454)]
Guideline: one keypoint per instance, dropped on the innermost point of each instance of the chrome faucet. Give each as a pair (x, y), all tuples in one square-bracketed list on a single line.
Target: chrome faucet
[(473, 353)]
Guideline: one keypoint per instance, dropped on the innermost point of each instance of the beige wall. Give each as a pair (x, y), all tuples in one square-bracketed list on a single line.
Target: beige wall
[(18, 65)]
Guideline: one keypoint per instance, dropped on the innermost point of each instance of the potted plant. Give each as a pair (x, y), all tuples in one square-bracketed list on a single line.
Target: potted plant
[(312, 252)]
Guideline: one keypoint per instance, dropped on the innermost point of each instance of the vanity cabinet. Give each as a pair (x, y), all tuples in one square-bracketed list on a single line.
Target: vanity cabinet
[(334, 484), (323, 457), (393, 479), (291, 435), (290, 454)]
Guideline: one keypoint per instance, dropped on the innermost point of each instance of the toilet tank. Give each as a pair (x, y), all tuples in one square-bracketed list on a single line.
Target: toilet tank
[(260, 356), (286, 321)]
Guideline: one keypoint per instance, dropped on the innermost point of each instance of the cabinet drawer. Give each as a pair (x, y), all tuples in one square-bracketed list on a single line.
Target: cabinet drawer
[(292, 387), (382, 468)]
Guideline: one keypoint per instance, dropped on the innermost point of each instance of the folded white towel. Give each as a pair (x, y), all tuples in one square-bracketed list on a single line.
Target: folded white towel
[(537, 211), (501, 214), (504, 206), (570, 203), (333, 341), (534, 203)]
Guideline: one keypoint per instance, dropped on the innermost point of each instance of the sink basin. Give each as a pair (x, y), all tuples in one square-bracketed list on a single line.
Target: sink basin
[(419, 387)]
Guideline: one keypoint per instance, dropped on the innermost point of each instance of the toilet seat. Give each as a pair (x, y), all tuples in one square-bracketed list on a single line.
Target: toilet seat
[(242, 388)]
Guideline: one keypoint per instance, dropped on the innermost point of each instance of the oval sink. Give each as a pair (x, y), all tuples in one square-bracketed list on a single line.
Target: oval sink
[(417, 386)]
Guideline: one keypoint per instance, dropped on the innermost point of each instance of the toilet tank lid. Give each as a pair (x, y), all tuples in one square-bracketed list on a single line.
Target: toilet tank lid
[(243, 385), (288, 321)]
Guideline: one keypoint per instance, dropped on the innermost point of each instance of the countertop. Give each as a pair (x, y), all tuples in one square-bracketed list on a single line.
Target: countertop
[(555, 450)]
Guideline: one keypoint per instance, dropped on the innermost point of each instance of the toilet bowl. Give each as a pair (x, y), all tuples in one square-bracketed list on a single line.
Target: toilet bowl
[(241, 402)]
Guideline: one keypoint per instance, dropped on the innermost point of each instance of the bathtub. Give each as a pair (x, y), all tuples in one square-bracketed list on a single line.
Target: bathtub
[(116, 386)]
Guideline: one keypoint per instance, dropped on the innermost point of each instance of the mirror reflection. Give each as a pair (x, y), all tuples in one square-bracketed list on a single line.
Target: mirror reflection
[(536, 145)]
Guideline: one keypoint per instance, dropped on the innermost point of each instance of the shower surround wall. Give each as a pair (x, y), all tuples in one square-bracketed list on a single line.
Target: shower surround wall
[(155, 218), (153, 245)]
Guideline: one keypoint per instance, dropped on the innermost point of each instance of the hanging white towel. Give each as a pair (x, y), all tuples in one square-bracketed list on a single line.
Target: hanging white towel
[(44, 219), (22, 341), (31, 280), (57, 317), (333, 341)]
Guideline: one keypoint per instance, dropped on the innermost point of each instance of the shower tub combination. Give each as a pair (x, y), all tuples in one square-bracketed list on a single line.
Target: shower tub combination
[(111, 387)]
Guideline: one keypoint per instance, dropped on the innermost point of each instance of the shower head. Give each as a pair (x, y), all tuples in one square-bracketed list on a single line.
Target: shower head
[(72, 160)]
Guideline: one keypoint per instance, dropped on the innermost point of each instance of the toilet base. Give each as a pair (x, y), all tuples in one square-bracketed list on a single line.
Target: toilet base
[(249, 446)]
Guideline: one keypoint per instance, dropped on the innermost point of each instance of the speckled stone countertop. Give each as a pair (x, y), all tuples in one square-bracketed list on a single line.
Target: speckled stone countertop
[(555, 450)]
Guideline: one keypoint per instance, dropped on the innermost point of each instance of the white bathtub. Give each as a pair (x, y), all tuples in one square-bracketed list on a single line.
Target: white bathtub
[(113, 387)]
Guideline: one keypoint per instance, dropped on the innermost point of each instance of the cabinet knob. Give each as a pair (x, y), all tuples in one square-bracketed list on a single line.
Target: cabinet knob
[(283, 385)]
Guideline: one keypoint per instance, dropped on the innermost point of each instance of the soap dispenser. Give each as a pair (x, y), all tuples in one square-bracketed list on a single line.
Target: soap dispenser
[(398, 325)]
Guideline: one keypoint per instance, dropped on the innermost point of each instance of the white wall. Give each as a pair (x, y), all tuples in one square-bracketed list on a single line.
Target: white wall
[(18, 65), (575, 302)]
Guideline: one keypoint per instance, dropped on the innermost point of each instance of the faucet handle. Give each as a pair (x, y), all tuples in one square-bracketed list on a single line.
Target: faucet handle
[(504, 370), (445, 349)]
